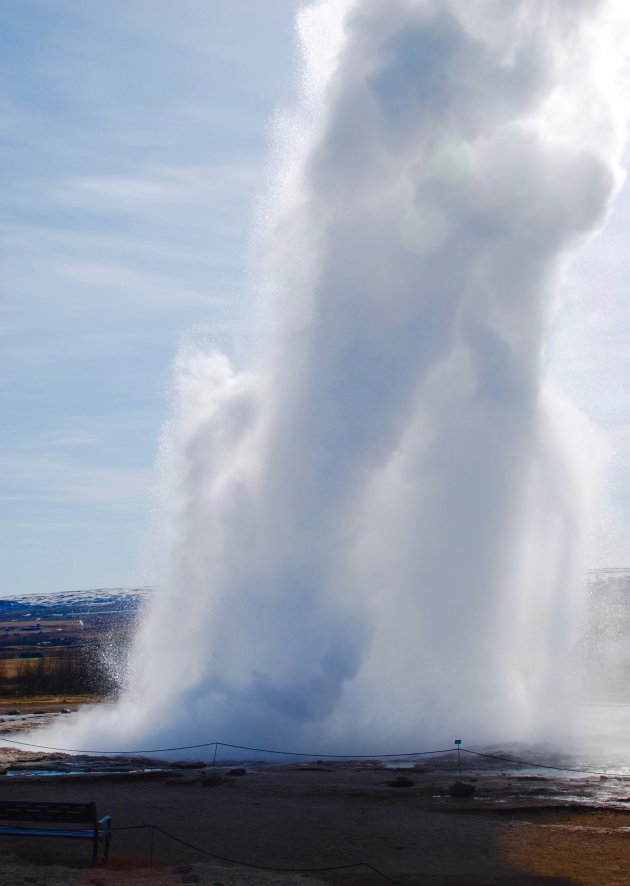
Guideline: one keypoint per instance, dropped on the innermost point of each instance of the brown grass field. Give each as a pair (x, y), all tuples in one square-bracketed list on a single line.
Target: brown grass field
[(44, 704)]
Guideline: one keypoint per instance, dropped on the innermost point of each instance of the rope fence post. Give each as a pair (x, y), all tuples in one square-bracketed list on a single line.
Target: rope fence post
[(151, 843)]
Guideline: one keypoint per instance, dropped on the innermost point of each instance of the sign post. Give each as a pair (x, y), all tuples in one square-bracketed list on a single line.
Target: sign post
[(458, 742)]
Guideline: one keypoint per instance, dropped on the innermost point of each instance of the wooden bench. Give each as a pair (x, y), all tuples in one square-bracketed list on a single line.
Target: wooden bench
[(72, 815)]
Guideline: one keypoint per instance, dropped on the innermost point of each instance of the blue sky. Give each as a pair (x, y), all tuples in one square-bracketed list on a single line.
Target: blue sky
[(135, 143), (135, 138)]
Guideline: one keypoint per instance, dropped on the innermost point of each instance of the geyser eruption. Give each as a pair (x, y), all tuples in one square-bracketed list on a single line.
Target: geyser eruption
[(373, 531)]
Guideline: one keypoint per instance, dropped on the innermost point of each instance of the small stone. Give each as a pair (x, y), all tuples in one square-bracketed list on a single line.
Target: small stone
[(190, 878), (181, 869), (401, 781), (211, 779), (237, 773), (462, 789)]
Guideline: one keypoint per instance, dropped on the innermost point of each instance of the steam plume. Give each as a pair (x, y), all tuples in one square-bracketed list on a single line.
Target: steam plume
[(374, 531)]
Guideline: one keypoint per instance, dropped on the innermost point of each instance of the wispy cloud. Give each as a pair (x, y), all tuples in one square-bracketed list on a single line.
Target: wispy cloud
[(53, 481), (124, 282), (134, 140), (208, 185)]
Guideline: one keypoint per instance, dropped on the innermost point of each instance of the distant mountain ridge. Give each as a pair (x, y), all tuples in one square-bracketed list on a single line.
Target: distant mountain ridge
[(100, 599), (96, 600)]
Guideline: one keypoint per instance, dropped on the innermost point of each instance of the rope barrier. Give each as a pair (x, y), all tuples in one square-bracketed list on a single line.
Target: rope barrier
[(537, 765), (316, 756), (224, 744), (241, 747), (259, 867), (43, 747)]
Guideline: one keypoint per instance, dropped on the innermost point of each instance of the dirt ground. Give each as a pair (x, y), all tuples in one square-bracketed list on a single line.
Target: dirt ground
[(517, 829)]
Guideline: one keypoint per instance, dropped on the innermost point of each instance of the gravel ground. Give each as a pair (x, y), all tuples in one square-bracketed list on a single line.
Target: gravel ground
[(517, 828)]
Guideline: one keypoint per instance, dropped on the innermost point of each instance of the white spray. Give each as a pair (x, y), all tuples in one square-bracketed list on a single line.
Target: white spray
[(373, 534)]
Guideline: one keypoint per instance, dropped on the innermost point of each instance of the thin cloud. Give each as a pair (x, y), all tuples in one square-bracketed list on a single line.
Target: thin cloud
[(123, 282), (49, 480), (215, 184)]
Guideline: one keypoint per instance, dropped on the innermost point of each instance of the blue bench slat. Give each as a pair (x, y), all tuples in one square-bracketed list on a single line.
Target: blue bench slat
[(50, 832)]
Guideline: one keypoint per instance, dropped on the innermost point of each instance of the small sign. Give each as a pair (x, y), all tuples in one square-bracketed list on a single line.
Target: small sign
[(458, 741)]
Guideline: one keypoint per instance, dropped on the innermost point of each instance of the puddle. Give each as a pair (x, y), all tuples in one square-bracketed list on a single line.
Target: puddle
[(70, 773)]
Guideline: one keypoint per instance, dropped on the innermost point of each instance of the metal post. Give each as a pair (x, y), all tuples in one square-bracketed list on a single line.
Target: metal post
[(458, 742)]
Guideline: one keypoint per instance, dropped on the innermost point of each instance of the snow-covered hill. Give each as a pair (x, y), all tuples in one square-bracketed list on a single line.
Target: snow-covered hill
[(88, 600)]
